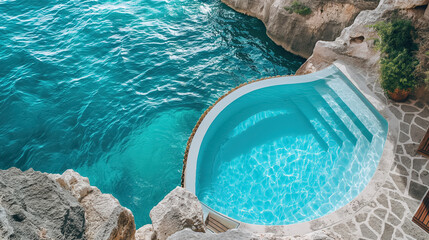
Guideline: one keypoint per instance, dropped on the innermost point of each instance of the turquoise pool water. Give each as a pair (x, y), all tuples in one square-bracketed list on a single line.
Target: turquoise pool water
[(113, 89), (290, 153)]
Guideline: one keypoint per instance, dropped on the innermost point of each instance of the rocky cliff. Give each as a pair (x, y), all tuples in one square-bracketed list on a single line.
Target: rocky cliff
[(299, 33), (355, 45), (356, 42), (35, 205)]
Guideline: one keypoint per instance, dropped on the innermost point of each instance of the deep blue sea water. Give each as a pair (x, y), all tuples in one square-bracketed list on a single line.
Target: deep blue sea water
[(113, 89)]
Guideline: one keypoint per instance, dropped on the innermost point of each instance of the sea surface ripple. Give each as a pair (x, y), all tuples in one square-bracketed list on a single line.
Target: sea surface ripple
[(113, 89)]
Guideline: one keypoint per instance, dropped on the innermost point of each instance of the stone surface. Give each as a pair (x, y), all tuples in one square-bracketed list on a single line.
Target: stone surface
[(410, 3), (178, 210), (388, 232), (417, 133), (361, 217), (236, 234), (413, 230), (375, 223), (400, 181), (393, 220), (424, 113), (418, 164), (417, 190), (381, 213), (406, 161), (408, 109), (33, 206), (299, 34), (382, 199), (397, 208), (421, 122), (229, 235), (405, 127), (408, 118), (424, 176), (146, 233), (411, 149), (105, 217), (366, 232)]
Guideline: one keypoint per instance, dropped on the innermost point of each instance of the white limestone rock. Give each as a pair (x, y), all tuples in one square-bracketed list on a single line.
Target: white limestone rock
[(146, 233), (105, 218), (179, 210), (406, 4), (33, 206)]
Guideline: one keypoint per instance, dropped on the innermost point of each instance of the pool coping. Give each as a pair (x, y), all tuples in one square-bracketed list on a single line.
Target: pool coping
[(345, 212)]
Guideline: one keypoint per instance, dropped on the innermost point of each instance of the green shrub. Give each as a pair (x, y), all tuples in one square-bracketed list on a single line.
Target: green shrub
[(299, 8), (398, 62), (398, 71), (395, 36)]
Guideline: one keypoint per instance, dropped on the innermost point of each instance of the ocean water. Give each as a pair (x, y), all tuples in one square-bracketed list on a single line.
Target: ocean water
[(113, 89)]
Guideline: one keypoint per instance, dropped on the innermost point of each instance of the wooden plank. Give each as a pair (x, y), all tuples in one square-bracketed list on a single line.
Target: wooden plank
[(424, 145), (421, 218), (218, 224), (215, 225)]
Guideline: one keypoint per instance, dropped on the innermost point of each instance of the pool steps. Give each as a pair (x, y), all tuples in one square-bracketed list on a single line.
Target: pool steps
[(362, 128), (311, 111), (313, 130), (342, 127), (322, 120)]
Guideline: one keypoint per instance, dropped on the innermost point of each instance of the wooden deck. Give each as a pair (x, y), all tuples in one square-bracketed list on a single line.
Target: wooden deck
[(421, 217), (424, 145)]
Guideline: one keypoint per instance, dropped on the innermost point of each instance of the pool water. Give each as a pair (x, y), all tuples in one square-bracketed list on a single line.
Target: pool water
[(113, 89), (290, 153)]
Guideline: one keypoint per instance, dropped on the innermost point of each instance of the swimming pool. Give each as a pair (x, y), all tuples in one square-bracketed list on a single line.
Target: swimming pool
[(286, 150)]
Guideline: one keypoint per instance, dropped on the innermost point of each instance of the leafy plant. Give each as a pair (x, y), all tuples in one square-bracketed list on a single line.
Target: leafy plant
[(398, 71), (398, 62), (395, 36), (298, 7)]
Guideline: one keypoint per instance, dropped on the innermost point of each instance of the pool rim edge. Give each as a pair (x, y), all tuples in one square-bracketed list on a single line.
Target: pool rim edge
[(341, 214)]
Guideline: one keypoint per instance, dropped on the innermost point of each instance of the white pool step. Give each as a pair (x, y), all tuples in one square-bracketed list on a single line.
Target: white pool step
[(357, 122)]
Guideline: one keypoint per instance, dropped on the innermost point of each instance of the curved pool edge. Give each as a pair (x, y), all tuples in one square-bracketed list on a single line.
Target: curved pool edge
[(346, 212)]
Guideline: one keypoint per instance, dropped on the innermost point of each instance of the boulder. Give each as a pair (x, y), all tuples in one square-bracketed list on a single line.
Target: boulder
[(105, 217), (406, 4), (145, 233), (33, 206), (178, 210)]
